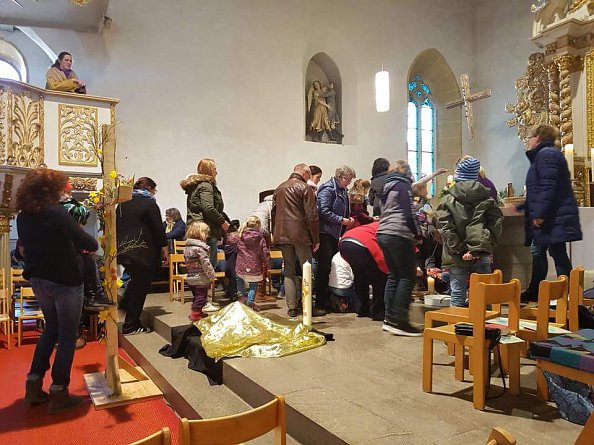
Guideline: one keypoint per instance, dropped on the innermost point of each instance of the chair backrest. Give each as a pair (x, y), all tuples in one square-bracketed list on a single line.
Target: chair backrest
[(220, 255), (175, 260), (4, 302), (16, 275), (178, 246), (240, 427), (275, 254), (162, 437), (500, 436), (576, 296), (494, 294), (488, 278), (549, 290)]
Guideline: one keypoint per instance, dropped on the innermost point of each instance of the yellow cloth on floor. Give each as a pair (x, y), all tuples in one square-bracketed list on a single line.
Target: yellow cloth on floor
[(236, 330)]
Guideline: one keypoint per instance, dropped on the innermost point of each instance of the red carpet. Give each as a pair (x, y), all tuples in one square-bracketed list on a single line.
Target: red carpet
[(22, 424)]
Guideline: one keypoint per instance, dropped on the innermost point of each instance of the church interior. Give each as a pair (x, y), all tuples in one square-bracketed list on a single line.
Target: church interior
[(115, 93)]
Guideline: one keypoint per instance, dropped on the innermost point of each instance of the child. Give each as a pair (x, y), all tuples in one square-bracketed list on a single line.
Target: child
[(252, 253), (358, 198), (341, 284), (201, 274), (470, 224)]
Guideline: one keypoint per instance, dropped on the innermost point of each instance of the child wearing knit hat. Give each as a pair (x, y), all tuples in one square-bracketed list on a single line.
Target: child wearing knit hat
[(470, 223)]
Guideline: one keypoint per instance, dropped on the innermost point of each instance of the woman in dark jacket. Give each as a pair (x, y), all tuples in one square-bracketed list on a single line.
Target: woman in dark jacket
[(334, 211), (205, 203), (175, 227), (141, 233), (52, 241), (379, 172), (551, 214)]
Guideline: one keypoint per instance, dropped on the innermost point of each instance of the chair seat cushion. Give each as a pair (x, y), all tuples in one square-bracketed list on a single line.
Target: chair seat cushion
[(575, 350)]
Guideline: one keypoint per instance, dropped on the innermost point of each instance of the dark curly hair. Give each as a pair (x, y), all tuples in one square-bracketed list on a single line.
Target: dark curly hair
[(41, 187)]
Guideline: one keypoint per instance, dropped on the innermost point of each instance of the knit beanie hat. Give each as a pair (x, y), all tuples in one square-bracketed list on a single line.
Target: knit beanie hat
[(467, 169)]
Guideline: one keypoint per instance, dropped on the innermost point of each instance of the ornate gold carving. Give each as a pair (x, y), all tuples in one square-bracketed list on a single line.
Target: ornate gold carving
[(77, 130), (589, 68), (84, 184), (112, 114), (25, 142), (566, 63), (531, 93), (551, 48), (580, 42), (7, 190), (3, 124), (5, 223), (577, 4), (554, 108), (581, 182)]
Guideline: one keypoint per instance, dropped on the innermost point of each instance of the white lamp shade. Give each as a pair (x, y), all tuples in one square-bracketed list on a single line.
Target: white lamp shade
[(382, 91)]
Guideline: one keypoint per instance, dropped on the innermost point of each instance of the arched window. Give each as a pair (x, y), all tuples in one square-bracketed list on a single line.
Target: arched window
[(420, 136), (7, 71)]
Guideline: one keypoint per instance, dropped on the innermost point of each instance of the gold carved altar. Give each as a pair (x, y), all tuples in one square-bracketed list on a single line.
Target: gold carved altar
[(558, 85)]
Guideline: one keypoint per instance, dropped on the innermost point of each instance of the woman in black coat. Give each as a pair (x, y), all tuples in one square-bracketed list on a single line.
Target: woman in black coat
[(141, 238), (551, 214), (379, 173)]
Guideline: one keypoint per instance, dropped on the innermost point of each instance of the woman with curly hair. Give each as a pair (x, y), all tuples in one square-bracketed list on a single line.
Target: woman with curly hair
[(52, 242)]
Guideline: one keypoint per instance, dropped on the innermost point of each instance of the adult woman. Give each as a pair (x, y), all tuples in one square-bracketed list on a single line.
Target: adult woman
[(140, 229), (396, 235), (551, 217), (175, 227), (205, 203), (316, 176), (360, 249), (52, 241), (379, 172), (334, 212), (60, 76)]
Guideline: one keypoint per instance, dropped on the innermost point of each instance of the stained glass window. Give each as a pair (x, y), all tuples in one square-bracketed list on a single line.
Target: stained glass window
[(420, 137), (7, 71)]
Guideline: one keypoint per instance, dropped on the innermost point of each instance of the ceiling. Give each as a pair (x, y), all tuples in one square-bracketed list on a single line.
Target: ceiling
[(54, 14)]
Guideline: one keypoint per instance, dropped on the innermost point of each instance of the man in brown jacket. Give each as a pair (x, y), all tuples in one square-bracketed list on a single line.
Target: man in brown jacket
[(296, 228)]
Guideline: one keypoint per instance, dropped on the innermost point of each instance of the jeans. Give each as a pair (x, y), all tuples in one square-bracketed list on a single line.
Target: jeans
[(347, 293), (540, 266), (459, 279), (213, 244), (200, 293), (399, 254), (291, 254), (61, 306), (328, 248), (252, 289), (366, 272)]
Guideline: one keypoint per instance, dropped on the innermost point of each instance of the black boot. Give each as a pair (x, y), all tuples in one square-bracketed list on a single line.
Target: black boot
[(34, 394), (61, 401), (99, 300)]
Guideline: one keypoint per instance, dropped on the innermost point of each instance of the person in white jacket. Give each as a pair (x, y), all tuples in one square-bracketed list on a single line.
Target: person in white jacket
[(340, 282)]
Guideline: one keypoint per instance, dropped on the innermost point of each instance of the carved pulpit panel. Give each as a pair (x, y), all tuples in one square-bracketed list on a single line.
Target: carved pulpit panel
[(77, 130)]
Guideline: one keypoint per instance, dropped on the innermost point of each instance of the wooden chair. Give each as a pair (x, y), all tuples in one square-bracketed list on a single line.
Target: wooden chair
[(218, 275), (25, 313), (576, 296), (14, 280), (485, 294), (239, 427), (5, 316), (178, 246), (176, 278), (162, 437), (500, 436), (274, 255), (586, 437)]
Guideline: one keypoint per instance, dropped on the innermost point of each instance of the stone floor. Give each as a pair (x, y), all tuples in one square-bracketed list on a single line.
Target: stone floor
[(365, 388)]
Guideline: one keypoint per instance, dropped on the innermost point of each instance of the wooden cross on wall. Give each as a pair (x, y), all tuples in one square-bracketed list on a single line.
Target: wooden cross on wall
[(467, 100)]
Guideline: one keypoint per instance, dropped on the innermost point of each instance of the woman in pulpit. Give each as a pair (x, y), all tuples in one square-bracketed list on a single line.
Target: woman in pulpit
[(52, 242), (61, 77)]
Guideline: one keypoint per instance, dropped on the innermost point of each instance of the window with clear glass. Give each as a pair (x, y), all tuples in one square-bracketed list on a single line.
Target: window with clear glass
[(420, 136), (7, 71)]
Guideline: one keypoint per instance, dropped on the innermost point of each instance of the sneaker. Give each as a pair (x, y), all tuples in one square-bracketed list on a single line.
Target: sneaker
[(253, 307), (403, 328), (210, 307), (81, 341), (294, 313), (134, 330), (197, 315)]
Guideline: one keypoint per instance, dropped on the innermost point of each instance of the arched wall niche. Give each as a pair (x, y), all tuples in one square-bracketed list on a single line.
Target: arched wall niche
[(12, 55), (323, 69), (439, 77)]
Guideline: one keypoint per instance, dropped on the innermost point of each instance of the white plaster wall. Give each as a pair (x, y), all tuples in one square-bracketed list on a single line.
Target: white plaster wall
[(502, 33), (224, 79)]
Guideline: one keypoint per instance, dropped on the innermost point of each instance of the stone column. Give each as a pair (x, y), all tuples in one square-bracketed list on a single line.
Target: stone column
[(566, 64), (5, 246)]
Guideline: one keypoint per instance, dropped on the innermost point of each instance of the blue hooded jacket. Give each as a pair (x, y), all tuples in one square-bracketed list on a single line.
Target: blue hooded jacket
[(333, 206)]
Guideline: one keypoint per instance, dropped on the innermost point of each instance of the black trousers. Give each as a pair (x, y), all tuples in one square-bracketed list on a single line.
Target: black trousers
[(328, 248), (136, 291), (366, 273)]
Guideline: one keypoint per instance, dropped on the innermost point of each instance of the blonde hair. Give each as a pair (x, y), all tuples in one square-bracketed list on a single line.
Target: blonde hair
[(359, 190), (418, 187), (206, 166), (197, 230), (401, 166), (253, 222)]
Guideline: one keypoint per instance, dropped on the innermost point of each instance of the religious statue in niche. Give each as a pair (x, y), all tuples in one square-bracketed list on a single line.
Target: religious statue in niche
[(323, 119)]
